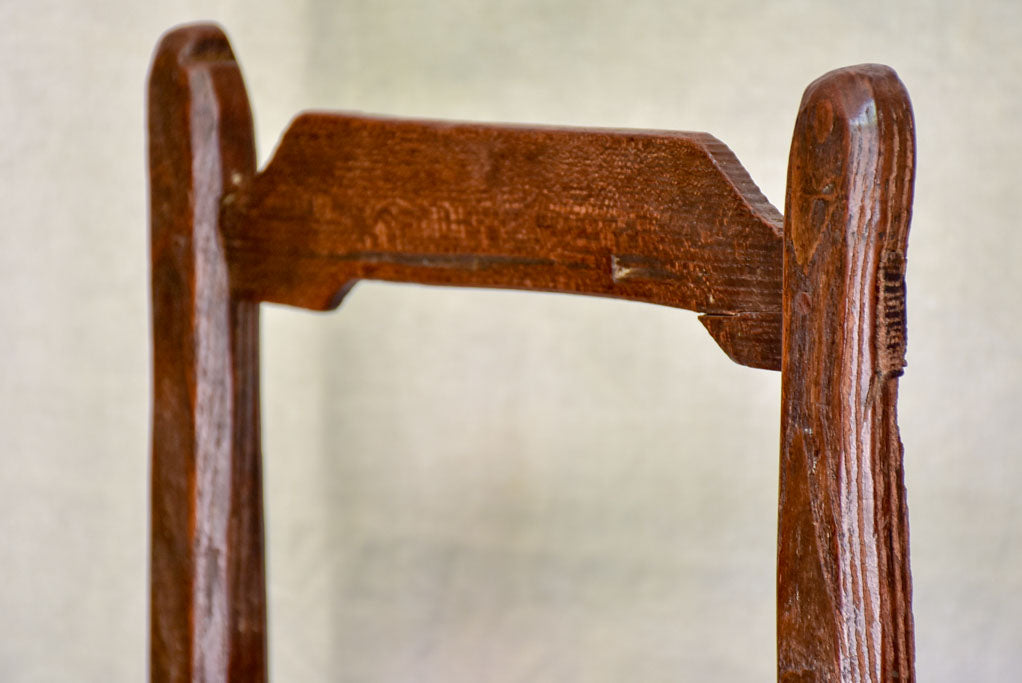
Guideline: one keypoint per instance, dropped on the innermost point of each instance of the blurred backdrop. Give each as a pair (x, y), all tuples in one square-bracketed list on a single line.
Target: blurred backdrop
[(470, 485)]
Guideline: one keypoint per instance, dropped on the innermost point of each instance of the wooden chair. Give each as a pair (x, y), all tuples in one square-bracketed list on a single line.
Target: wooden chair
[(661, 217)]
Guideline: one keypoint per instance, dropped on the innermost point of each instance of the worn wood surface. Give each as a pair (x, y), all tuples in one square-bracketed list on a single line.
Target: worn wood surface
[(207, 612), (844, 588), (667, 218)]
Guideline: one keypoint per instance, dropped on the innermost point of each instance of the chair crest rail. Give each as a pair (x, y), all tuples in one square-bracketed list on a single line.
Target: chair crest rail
[(662, 217)]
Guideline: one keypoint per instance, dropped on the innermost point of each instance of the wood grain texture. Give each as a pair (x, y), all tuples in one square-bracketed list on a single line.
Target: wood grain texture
[(666, 218), (844, 588), (207, 611), (660, 217)]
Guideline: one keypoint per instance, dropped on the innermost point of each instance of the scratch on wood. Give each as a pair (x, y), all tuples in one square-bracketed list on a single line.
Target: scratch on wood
[(619, 272)]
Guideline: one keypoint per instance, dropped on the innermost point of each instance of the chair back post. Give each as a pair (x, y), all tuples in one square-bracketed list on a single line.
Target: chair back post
[(207, 599), (844, 588)]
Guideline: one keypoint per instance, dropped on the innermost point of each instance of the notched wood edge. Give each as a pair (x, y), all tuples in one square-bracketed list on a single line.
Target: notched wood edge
[(892, 329)]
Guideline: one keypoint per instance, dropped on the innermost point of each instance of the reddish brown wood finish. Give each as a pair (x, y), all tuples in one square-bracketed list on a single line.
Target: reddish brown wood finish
[(668, 218), (207, 598), (844, 592)]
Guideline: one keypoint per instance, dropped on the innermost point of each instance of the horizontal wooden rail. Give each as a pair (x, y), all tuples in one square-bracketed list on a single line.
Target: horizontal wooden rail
[(662, 217)]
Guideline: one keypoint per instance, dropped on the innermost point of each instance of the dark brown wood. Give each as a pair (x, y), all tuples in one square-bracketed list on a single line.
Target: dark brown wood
[(667, 218), (207, 613), (844, 589), (661, 217)]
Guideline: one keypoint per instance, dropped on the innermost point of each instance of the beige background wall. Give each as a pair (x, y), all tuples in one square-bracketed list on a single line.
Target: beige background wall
[(491, 486)]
